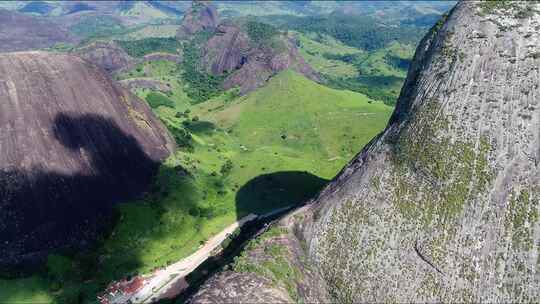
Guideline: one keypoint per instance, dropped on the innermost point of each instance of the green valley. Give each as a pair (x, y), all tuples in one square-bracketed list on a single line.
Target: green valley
[(274, 147)]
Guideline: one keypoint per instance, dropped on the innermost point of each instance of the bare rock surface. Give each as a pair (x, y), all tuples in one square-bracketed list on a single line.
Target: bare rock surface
[(232, 287), (230, 51), (443, 206), (201, 16), (72, 143), (20, 32), (258, 64), (145, 84), (250, 64), (163, 56), (227, 50), (107, 55), (272, 270)]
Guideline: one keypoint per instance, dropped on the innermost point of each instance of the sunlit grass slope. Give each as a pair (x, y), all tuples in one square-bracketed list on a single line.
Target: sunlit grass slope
[(295, 123)]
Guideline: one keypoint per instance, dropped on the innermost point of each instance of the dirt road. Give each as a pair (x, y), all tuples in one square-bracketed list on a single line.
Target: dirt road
[(155, 287)]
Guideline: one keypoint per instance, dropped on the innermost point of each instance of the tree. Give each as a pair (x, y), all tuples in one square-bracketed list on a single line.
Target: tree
[(227, 167)]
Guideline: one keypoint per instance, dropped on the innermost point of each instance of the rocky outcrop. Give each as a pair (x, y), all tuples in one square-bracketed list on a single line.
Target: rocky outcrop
[(21, 32), (150, 84), (250, 64), (227, 50), (230, 51), (107, 55), (272, 270), (443, 206), (163, 56), (72, 143), (201, 16)]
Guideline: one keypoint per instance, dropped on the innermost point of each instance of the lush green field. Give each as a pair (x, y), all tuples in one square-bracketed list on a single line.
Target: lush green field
[(166, 72), (299, 124), (315, 49), (272, 148), (378, 74)]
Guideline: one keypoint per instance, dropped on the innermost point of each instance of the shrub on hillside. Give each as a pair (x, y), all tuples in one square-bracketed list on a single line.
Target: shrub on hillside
[(155, 100), (260, 32), (139, 48)]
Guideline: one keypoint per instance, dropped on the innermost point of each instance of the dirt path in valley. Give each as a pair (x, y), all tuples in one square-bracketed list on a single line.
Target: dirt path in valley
[(155, 286), (159, 284)]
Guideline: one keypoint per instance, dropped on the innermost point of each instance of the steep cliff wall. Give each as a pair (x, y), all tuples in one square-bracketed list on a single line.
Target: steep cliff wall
[(444, 204), (72, 143)]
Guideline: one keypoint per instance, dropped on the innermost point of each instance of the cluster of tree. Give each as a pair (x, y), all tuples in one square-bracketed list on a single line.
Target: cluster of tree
[(93, 27), (363, 32), (259, 32), (182, 137), (375, 87), (156, 99), (141, 47), (397, 62), (227, 167), (201, 86)]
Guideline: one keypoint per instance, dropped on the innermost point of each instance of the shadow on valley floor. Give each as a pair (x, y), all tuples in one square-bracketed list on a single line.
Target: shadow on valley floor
[(43, 210), (200, 126), (275, 190), (259, 195)]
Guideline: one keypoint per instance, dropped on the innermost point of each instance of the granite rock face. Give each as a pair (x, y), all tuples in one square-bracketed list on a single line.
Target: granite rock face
[(272, 270), (443, 206), (21, 32), (72, 143), (250, 64), (200, 17), (107, 55), (259, 63), (230, 51)]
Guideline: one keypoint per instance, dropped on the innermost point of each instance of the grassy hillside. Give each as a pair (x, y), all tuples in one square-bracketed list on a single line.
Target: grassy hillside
[(275, 147), (294, 120), (378, 74), (315, 49)]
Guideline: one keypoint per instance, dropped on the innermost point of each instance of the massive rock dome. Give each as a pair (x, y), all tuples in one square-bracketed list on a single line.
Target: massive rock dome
[(443, 206), (201, 16), (21, 32), (72, 143)]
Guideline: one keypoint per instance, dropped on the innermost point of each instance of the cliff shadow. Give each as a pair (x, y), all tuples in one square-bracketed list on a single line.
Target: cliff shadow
[(42, 210), (268, 192)]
